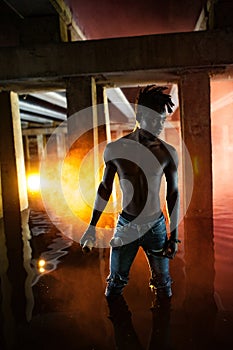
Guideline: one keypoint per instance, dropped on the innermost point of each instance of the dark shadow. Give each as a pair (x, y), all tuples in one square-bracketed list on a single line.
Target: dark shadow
[(160, 336), (120, 315), (125, 335)]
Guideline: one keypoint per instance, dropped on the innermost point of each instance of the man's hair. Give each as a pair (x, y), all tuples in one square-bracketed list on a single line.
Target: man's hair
[(152, 96)]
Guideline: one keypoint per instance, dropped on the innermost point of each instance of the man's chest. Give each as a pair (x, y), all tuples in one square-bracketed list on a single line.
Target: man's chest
[(134, 159), (139, 166)]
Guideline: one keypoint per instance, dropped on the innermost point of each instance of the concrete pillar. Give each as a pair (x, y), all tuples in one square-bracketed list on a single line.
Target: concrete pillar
[(194, 93), (82, 117), (104, 134), (95, 133), (196, 133), (83, 136), (107, 116), (61, 145), (18, 140), (101, 113), (79, 97), (40, 145), (26, 148), (11, 160)]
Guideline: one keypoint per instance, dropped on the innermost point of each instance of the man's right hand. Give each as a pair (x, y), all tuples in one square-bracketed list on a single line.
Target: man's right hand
[(87, 241)]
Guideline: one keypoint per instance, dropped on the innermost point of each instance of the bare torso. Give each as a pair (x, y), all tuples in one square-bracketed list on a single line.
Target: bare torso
[(139, 160)]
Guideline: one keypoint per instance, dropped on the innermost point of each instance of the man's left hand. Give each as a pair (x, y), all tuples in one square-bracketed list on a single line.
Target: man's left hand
[(171, 248)]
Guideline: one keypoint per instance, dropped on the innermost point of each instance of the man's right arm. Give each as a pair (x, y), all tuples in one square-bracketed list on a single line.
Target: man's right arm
[(103, 194)]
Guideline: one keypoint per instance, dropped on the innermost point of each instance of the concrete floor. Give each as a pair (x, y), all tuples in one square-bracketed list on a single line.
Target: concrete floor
[(67, 308)]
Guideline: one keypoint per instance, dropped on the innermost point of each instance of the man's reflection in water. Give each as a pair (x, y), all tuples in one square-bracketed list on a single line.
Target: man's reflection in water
[(125, 335), (160, 337), (120, 315)]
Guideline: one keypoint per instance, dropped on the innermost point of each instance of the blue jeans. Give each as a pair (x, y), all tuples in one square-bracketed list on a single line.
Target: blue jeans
[(152, 237)]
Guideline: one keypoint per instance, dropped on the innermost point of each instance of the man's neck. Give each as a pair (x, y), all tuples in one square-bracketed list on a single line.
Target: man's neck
[(146, 135)]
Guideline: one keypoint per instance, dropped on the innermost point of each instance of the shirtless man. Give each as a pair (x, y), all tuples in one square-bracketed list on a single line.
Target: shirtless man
[(140, 159)]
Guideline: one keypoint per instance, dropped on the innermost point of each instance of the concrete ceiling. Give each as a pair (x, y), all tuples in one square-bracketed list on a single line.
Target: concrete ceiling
[(27, 8), (118, 18), (98, 20)]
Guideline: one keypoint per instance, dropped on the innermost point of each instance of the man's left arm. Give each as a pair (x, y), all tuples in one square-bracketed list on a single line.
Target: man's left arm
[(173, 203)]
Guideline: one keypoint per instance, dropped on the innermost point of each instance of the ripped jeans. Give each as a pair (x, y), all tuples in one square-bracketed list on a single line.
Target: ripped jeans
[(152, 238)]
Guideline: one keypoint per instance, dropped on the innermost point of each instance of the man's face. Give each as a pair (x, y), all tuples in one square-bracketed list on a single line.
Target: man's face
[(153, 122)]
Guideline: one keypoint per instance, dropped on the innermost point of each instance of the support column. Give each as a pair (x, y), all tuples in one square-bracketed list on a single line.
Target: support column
[(40, 145), (26, 148), (107, 116), (83, 137), (79, 98), (82, 123), (11, 158), (196, 133), (95, 133), (61, 145), (194, 93), (103, 125)]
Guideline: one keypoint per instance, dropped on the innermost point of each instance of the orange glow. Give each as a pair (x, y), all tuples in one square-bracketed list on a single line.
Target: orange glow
[(68, 190), (33, 182), (41, 263), (78, 184)]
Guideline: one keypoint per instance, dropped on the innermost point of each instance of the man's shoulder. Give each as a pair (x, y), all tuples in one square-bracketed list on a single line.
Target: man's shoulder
[(116, 148), (168, 146), (119, 141), (111, 149), (172, 153)]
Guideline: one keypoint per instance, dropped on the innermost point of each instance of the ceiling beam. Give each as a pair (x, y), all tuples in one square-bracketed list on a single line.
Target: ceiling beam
[(165, 53), (51, 97), (41, 111), (34, 119)]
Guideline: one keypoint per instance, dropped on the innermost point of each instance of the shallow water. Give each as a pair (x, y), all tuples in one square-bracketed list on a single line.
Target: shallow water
[(66, 306), (69, 308), (223, 246)]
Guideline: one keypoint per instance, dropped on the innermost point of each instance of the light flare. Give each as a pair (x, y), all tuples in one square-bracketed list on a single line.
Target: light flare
[(41, 265), (33, 182), (78, 185)]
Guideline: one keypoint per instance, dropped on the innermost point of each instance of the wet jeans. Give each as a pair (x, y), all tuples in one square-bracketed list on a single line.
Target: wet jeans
[(128, 237)]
